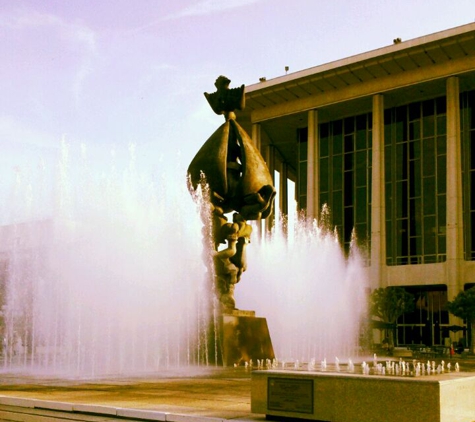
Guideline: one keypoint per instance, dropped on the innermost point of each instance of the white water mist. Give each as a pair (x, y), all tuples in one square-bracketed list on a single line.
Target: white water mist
[(105, 275)]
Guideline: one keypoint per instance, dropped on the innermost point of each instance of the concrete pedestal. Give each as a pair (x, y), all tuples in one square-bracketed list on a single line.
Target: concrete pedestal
[(245, 337), (337, 397)]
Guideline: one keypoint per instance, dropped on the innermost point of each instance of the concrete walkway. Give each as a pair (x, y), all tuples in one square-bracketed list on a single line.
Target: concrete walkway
[(216, 394)]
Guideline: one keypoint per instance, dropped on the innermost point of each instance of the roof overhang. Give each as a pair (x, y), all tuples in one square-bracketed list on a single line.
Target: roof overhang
[(425, 60)]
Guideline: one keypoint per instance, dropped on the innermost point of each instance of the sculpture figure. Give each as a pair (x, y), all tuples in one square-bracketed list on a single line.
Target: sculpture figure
[(238, 180)]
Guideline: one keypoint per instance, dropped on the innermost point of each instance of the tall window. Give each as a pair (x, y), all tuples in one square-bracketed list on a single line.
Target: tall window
[(345, 176), (467, 116), (415, 177)]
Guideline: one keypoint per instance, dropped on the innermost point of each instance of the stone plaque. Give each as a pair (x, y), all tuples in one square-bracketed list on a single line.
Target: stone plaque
[(290, 395)]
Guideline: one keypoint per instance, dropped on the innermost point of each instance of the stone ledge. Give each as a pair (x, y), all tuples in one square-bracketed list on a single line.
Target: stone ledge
[(149, 415), (363, 398), (94, 408), (105, 411)]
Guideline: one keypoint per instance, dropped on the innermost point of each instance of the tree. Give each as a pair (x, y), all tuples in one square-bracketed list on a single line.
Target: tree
[(388, 304), (463, 306)]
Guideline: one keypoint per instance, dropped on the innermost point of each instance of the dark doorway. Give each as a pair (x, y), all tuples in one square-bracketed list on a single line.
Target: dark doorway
[(427, 323)]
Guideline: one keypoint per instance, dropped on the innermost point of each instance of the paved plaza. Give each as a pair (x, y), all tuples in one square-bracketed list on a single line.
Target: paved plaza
[(193, 394), (213, 394)]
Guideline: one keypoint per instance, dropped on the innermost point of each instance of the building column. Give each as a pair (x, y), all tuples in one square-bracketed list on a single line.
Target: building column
[(454, 229), (256, 138), (313, 194), (283, 194), (269, 157), (256, 135), (378, 218)]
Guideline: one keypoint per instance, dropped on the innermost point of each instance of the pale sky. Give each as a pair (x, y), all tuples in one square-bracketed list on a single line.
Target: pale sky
[(107, 73)]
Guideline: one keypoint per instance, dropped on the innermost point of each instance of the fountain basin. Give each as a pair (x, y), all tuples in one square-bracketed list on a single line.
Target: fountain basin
[(346, 397)]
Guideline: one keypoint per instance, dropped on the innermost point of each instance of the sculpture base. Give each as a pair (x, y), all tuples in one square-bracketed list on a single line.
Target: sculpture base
[(245, 337), (331, 397)]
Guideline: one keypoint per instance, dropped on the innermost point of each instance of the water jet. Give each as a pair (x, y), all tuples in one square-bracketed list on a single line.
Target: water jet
[(102, 273)]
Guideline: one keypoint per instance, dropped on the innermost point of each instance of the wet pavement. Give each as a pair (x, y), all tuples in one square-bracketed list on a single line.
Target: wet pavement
[(194, 394)]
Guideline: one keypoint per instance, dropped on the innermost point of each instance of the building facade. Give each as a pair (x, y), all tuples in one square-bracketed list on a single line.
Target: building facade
[(387, 140)]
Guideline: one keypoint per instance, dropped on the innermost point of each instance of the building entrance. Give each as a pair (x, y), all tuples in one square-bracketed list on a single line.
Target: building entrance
[(428, 323)]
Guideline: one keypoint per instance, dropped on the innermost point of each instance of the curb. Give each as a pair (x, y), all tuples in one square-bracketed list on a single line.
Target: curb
[(123, 413)]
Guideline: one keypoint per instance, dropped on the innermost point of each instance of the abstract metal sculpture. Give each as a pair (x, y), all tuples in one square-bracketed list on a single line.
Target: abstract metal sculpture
[(238, 180)]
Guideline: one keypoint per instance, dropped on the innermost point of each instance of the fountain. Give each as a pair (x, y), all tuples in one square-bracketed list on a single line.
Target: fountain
[(303, 278), (236, 177), (102, 273), (89, 289)]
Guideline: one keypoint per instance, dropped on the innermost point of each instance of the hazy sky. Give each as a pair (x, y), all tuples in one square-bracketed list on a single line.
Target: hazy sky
[(107, 73)]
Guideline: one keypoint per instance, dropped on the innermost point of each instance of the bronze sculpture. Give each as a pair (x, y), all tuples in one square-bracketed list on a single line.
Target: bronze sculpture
[(238, 180)]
